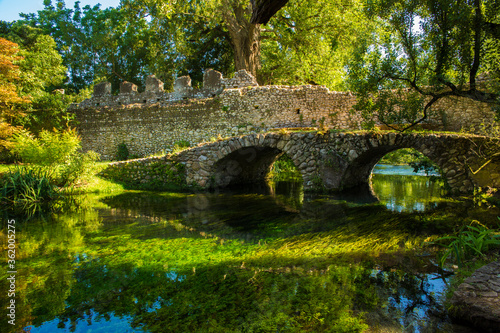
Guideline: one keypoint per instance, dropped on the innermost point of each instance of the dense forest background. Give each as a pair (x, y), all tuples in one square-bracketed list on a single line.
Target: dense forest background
[(418, 50)]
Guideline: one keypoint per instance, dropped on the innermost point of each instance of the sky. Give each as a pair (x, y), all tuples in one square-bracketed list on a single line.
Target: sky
[(10, 9)]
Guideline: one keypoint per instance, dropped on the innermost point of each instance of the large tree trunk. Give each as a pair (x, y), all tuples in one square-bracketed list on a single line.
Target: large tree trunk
[(246, 47), (245, 36)]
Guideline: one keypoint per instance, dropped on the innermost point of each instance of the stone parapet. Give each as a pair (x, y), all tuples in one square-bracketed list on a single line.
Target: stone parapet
[(152, 121)]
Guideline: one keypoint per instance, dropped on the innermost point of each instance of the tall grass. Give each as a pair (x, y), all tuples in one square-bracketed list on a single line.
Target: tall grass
[(23, 186)]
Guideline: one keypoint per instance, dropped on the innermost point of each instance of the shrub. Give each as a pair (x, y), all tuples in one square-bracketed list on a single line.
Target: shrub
[(123, 153), (55, 154), (48, 150), (79, 168)]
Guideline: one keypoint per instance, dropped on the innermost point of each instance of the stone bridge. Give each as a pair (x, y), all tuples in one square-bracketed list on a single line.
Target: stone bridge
[(326, 160)]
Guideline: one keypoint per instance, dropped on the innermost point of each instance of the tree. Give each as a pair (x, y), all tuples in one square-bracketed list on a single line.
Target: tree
[(9, 97), (239, 18), (40, 72), (311, 41), (428, 50), (305, 41), (95, 43)]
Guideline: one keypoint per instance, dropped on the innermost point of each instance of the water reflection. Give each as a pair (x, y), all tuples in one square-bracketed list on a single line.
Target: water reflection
[(402, 190), (274, 260)]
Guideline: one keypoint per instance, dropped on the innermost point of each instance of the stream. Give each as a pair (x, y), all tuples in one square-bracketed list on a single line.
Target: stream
[(265, 259)]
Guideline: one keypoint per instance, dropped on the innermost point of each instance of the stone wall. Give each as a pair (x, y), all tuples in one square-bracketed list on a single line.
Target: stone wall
[(152, 121), (154, 173)]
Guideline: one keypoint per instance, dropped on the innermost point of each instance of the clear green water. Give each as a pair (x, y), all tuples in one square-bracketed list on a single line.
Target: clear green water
[(260, 260)]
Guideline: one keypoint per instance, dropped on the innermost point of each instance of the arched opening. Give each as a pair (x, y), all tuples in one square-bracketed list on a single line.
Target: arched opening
[(284, 169), (249, 165), (405, 180), (285, 182)]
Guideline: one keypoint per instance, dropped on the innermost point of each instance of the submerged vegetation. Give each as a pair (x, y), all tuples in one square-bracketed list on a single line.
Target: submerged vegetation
[(230, 262)]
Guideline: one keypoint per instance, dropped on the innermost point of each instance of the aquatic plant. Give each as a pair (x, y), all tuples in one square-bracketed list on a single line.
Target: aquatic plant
[(469, 242), (23, 186)]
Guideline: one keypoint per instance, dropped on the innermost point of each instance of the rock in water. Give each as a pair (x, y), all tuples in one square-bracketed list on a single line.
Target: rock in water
[(477, 299)]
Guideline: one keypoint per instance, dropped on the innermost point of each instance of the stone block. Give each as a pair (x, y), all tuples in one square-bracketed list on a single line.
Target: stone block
[(182, 87), (128, 88), (102, 89), (182, 83), (153, 84), (241, 79), (212, 81)]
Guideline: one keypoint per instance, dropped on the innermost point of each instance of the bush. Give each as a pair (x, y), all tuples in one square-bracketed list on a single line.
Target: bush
[(55, 154), (122, 153), (79, 168), (48, 150)]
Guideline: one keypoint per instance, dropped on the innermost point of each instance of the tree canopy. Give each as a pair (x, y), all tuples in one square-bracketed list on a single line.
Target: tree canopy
[(399, 56), (9, 97), (170, 39), (40, 71), (427, 50)]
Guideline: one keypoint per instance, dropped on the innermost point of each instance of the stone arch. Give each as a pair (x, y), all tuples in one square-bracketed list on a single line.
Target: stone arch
[(334, 162), (249, 160), (360, 167)]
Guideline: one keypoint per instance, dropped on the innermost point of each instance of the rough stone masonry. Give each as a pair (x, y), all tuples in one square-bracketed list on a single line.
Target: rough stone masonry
[(331, 160), (152, 121)]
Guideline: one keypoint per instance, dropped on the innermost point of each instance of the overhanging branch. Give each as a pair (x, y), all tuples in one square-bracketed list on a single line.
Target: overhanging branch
[(263, 10)]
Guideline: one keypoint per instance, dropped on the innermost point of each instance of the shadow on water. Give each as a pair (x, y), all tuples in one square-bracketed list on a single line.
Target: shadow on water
[(265, 259)]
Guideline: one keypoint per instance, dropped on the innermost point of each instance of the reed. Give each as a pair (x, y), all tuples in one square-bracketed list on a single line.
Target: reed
[(23, 186)]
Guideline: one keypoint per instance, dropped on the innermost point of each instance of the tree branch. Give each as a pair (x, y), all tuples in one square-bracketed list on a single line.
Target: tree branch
[(263, 10)]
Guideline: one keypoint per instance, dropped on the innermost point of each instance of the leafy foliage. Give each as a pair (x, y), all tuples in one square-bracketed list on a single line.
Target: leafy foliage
[(470, 241), (426, 51), (185, 37), (9, 97), (96, 43), (56, 154), (284, 169), (122, 152), (310, 42), (40, 72), (23, 186)]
